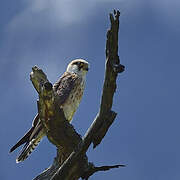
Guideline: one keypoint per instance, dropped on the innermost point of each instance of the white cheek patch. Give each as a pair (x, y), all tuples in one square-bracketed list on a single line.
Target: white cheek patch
[(73, 69)]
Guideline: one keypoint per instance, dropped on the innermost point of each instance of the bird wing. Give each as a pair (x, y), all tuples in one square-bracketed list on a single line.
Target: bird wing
[(65, 85)]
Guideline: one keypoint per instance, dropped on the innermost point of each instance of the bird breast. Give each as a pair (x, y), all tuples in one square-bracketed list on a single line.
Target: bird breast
[(71, 104)]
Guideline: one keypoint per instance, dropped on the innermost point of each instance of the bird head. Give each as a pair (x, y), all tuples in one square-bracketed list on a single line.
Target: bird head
[(78, 66)]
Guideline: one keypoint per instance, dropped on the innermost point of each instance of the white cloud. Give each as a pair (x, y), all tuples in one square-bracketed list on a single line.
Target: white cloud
[(39, 16), (60, 13)]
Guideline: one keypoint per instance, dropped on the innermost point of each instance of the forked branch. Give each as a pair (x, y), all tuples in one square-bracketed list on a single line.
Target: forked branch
[(71, 162)]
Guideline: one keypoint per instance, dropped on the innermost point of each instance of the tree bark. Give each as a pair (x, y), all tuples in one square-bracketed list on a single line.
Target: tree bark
[(71, 162)]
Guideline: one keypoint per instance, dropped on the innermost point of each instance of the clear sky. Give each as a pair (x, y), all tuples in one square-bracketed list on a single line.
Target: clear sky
[(145, 135)]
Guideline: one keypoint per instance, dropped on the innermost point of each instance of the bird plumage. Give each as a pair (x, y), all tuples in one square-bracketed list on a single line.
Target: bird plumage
[(69, 89)]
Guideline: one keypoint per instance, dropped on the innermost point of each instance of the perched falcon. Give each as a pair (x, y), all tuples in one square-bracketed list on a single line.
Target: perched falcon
[(70, 89)]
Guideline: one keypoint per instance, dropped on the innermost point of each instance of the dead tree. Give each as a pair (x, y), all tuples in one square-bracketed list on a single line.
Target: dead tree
[(71, 162)]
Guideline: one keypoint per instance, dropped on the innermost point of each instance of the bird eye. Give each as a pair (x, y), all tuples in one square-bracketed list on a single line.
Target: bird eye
[(80, 64)]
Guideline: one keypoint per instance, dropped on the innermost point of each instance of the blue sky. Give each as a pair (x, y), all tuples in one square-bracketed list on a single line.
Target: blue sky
[(145, 135)]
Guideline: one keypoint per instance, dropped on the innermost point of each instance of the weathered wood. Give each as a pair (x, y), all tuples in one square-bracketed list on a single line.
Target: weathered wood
[(71, 162), (106, 116)]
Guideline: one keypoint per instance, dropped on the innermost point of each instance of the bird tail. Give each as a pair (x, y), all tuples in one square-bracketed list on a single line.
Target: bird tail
[(29, 147)]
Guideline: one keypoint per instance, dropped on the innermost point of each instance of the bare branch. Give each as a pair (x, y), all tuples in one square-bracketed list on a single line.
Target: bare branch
[(71, 162), (101, 168), (106, 116), (38, 78)]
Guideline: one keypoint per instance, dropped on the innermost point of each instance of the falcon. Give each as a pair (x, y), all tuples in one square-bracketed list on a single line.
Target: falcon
[(69, 88)]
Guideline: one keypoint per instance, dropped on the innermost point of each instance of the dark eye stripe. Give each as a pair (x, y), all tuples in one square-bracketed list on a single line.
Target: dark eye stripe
[(80, 64), (76, 63)]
